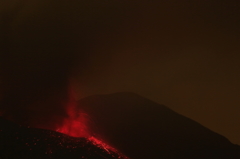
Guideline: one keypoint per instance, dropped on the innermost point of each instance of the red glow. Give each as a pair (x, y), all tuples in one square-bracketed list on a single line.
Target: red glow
[(76, 124), (101, 144)]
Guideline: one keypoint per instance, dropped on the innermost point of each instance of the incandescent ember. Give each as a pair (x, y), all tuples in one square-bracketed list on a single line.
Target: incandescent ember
[(18, 142)]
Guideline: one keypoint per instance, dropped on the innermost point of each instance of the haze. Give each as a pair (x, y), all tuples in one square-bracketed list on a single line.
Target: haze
[(183, 54)]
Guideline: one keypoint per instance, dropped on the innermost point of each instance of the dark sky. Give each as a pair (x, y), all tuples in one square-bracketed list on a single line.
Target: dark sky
[(180, 53), (183, 54)]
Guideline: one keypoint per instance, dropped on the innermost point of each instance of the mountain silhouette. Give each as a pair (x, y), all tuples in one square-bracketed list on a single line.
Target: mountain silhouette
[(136, 126), (143, 129), (19, 142)]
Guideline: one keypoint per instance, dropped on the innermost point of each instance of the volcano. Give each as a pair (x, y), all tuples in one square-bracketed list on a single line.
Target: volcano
[(135, 126), (19, 142), (141, 128)]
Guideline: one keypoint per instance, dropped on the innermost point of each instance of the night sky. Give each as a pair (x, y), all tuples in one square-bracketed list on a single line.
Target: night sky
[(180, 53)]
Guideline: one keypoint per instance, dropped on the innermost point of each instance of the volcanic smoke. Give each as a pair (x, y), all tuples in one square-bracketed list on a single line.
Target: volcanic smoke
[(75, 124)]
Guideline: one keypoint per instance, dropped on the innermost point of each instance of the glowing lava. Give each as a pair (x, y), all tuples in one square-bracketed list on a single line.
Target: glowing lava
[(76, 123), (76, 126)]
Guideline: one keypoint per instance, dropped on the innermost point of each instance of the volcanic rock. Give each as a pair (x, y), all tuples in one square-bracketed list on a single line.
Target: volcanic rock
[(19, 142)]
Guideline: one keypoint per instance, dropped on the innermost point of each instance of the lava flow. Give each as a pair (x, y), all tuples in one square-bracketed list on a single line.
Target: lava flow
[(76, 125)]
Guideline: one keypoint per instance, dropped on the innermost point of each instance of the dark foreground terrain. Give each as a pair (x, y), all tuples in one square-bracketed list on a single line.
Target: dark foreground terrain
[(136, 126), (17, 142)]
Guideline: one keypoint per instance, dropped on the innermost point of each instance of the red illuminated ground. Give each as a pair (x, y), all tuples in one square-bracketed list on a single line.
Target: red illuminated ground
[(76, 125)]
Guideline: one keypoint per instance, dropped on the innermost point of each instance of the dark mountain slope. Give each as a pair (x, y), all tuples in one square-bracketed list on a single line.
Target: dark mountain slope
[(142, 129), (17, 142)]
